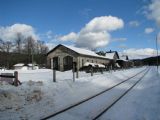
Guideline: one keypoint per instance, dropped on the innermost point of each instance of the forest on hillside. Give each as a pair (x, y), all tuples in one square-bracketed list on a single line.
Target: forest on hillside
[(151, 61)]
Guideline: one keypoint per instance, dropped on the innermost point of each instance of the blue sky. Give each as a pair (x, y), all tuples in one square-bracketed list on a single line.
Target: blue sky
[(52, 19)]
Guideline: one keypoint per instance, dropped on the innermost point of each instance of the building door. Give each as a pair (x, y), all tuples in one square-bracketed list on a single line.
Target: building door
[(67, 63), (55, 63)]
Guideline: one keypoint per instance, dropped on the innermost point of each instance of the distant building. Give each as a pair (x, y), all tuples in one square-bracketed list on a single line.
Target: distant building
[(20, 66), (32, 66), (62, 57), (113, 55), (124, 57), (124, 61)]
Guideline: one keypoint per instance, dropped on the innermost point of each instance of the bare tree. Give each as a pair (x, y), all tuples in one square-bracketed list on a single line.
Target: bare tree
[(29, 45), (41, 47), (2, 45), (8, 46), (29, 48), (18, 42), (44, 49), (38, 46)]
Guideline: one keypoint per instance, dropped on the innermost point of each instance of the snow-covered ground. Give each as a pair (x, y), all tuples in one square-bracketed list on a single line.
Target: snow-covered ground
[(142, 103), (39, 97)]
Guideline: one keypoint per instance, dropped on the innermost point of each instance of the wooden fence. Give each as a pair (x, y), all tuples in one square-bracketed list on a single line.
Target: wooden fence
[(11, 78)]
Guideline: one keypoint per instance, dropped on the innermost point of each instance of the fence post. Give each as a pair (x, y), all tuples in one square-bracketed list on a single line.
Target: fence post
[(101, 71), (54, 75), (73, 72), (111, 69), (77, 73), (16, 78), (91, 71)]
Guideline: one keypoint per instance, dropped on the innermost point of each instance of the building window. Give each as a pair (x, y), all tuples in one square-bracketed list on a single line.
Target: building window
[(87, 60), (82, 62), (92, 61)]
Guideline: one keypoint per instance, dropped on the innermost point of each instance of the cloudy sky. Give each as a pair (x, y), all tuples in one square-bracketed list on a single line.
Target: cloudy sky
[(128, 26)]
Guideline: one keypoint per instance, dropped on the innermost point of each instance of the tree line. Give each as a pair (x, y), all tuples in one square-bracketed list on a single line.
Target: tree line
[(23, 44), (25, 49)]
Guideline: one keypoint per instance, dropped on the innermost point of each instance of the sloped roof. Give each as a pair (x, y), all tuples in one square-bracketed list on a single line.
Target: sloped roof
[(19, 65), (123, 57), (30, 64), (110, 55), (81, 51)]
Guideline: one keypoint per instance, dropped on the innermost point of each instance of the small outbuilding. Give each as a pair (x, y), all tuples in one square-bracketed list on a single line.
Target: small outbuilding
[(32, 66), (20, 66)]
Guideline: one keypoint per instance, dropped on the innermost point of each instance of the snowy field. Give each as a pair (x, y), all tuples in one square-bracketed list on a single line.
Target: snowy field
[(39, 97)]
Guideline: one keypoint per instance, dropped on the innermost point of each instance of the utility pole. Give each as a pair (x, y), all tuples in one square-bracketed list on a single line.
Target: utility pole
[(157, 51), (32, 58)]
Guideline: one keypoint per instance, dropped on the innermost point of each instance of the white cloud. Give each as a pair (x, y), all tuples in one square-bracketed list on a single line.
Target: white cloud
[(148, 30), (70, 36), (104, 23), (95, 34), (139, 53), (134, 23), (9, 33), (154, 11), (93, 40)]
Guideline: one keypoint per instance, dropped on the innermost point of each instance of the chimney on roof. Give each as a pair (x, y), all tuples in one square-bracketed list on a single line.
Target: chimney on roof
[(127, 57)]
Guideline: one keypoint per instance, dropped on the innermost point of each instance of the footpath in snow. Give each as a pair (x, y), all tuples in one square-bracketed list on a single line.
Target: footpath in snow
[(39, 97)]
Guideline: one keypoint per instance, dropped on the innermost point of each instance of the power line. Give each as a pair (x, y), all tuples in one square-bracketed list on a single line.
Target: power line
[(157, 51)]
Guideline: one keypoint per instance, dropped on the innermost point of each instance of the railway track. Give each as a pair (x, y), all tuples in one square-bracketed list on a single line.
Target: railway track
[(98, 94), (111, 105)]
